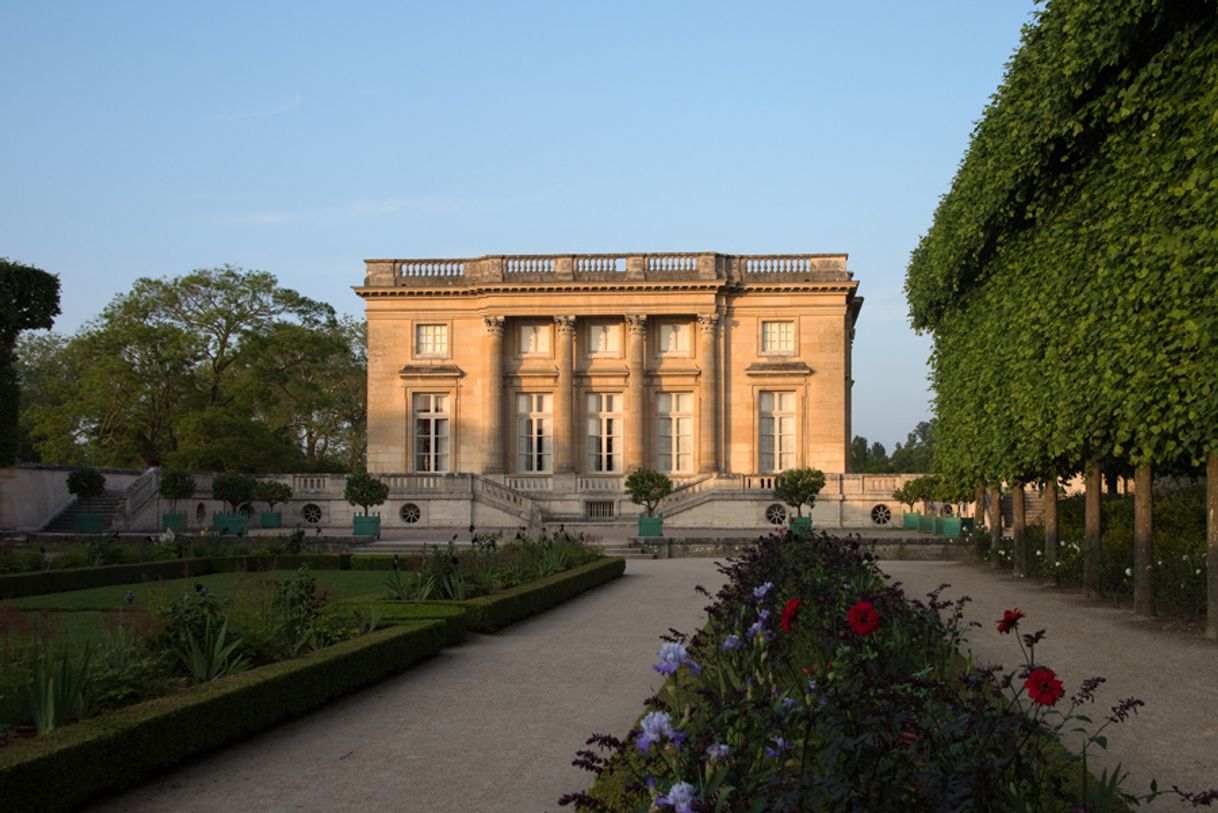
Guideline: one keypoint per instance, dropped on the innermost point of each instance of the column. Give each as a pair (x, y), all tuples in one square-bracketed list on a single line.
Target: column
[(492, 346), (708, 392), (636, 397), (564, 413)]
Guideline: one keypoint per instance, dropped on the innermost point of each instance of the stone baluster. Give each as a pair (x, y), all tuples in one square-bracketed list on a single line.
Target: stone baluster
[(495, 430), (564, 412), (636, 396), (708, 385)]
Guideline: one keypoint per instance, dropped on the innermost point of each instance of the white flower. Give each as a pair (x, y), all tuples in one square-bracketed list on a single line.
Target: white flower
[(1198, 571), (1160, 564), (1184, 558), (1057, 564), (1038, 553), (1129, 571)]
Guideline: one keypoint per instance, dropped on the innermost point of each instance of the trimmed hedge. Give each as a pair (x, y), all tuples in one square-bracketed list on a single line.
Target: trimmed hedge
[(496, 611), (60, 770), (18, 585), (395, 612)]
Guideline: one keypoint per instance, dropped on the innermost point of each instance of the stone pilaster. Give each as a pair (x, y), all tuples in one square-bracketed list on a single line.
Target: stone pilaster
[(636, 394), (492, 347), (564, 411), (708, 392)]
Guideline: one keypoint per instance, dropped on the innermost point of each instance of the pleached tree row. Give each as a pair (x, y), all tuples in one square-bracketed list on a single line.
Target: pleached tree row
[(1070, 277)]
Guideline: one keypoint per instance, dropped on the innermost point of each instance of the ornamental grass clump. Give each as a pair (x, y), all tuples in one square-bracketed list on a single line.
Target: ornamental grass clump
[(817, 686)]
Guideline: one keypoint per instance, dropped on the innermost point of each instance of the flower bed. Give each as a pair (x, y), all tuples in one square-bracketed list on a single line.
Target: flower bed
[(816, 686)]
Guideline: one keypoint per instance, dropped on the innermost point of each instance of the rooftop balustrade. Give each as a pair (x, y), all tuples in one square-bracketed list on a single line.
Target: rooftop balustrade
[(560, 268)]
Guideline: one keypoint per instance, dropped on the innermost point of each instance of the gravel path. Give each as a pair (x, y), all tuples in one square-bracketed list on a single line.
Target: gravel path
[(1174, 738), (491, 725)]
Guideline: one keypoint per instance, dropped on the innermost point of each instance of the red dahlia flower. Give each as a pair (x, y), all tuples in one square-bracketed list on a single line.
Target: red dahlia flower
[(1043, 687), (788, 614), (863, 618), (1009, 620)]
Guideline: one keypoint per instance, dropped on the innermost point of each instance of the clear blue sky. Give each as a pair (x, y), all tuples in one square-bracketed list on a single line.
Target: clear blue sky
[(148, 139)]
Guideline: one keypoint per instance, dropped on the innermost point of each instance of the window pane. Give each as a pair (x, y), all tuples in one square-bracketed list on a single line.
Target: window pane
[(767, 402), (664, 402)]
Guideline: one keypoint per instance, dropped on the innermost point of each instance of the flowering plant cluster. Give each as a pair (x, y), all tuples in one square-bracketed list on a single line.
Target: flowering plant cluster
[(815, 685)]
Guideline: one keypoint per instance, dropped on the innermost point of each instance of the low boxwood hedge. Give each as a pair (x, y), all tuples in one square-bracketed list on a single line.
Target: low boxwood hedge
[(62, 769), (17, 585), (395, 612)]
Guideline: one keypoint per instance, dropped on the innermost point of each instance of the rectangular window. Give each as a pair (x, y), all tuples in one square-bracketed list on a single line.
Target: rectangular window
[(430, 340), (673, 338), (674, 432), (534, 432), (431, 432), (534, 339), (776, 431), (777, 337), (604, 339), (604, 432)]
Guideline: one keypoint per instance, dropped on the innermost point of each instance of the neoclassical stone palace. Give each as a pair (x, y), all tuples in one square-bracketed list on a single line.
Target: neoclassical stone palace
[(513, 386)]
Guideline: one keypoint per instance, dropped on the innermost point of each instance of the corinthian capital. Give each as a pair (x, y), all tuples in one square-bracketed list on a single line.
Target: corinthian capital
[(636, 323), (708, 322), (566, 324), (493, 325)]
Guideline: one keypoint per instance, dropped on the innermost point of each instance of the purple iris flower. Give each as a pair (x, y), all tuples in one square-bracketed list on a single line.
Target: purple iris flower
[(672, 657), (717, 752), (656, 726), (759, 592), (781, 746), (680, 797), (730, 643)]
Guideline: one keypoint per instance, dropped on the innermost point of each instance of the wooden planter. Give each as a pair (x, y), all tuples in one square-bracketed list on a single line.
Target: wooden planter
[(271, 519), (366, 526), (172, 521), (951, 526), (800, 525), (909, 521), (229, 524), (651, 526)]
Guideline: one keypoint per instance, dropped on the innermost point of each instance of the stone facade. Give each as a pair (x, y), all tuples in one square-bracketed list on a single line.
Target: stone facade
[(548, 378)]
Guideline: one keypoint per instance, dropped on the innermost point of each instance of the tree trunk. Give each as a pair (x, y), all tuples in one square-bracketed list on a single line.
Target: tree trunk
[(1051, 532), (979, 506), (995, 521), (1211, 535), (1143, 541), (1092, 531), (1019, 528)]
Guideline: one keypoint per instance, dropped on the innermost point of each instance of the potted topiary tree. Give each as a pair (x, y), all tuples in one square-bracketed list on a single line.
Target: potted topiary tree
[(797, 488), (272, 492), (236, 490), (85, 485), (364, 490), (175, 485), (647, 487), (905, 496)]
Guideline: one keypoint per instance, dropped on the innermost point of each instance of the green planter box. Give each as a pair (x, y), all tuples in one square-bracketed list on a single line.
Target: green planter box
[(926, 524), (173, 522), (88, 522), (800, 525), (909, 521), (651, 526), (938, 524), (951, 526), (366, 526), (229, 523), (271, 519)]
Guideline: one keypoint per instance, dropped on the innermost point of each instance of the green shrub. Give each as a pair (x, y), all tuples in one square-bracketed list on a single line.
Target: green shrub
[(177, 485), (799, 487), (85, 484), (364, 490), (272, 492), (234, 489), (647, 487)]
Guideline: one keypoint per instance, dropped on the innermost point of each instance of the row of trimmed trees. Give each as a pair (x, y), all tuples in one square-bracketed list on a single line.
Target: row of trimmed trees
[(1070, 277)]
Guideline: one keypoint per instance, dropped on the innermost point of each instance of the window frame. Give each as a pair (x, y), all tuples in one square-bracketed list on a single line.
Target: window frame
[(687, 331), (675, 416), (616, 330), (432, 455), (547, 330), (777, 351), (526, 458), (778, 450), (595, 452)]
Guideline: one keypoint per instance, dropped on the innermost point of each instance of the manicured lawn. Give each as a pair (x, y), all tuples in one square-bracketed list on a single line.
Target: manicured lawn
[(341, 583)]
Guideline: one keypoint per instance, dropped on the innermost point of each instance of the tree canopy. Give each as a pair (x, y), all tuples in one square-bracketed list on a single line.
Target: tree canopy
[(218, 369), (29, 300)]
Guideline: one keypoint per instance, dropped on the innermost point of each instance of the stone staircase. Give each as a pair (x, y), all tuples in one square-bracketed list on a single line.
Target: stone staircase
[(65, 521)]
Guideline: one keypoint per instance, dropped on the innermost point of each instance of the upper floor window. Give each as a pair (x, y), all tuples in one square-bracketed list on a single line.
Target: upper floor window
[(604, 432), (431, 431), (604, 339), (673, 338), (777, 337), (534, 339), (431, 340), (534, 431)]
